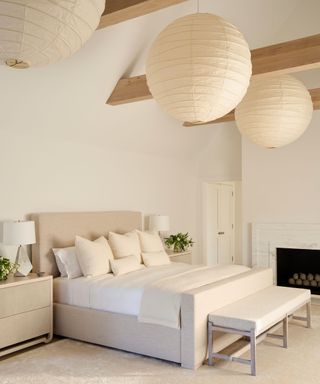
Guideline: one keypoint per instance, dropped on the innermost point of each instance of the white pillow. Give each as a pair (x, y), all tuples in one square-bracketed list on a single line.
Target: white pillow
[(93, 256), (125, 245), (125, 265), (151, 259), (67, 262), (150, 241)]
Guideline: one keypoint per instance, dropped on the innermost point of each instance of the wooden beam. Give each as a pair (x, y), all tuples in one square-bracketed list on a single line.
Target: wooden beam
[(130, 90), (117, 11), (315, 96), (288, 57)]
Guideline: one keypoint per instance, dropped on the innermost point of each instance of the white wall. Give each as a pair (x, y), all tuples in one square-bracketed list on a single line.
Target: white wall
[(281, 185), (62, 148)]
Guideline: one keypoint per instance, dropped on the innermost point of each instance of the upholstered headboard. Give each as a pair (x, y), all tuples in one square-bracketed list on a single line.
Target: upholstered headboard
[(55, 230)]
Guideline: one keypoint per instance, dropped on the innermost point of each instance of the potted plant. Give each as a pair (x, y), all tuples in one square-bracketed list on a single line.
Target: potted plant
[(6, 267), (179, 242)]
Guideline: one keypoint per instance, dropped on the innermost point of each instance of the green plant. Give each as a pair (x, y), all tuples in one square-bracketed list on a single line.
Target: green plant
[(179, 242), (6, 267)]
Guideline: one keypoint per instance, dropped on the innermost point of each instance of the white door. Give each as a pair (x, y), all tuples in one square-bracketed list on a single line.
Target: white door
[(225, 226), (219, 229)]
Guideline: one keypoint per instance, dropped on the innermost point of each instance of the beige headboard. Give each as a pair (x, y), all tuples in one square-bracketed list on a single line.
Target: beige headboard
[(54, 230)]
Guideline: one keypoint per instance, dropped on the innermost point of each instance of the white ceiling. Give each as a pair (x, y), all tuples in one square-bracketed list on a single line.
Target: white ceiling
[(67, 100)]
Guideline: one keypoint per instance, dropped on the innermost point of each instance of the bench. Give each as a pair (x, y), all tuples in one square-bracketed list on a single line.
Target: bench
[(257, 315)]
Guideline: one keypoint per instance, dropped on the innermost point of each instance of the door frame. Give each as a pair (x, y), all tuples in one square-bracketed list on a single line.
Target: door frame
[(209, 227)]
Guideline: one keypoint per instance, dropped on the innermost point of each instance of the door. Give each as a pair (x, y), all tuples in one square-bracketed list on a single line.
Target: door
[(225, 226), (219, 213)]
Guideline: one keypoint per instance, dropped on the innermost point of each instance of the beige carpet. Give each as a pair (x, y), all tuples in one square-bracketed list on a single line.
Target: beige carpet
[(68, 361)]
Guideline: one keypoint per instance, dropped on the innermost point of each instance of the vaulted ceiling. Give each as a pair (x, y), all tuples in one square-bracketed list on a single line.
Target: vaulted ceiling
[(67, 100)]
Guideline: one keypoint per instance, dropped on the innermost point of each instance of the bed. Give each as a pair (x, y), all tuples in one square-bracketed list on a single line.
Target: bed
[(186, 344)]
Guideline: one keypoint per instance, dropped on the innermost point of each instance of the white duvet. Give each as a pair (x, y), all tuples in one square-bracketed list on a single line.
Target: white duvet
[(152, 294)]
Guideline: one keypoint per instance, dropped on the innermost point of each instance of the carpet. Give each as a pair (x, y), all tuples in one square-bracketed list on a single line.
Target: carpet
[(73, 362)]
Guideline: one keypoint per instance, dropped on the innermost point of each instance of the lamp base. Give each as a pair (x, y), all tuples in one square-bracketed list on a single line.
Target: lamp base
[(23, 260)]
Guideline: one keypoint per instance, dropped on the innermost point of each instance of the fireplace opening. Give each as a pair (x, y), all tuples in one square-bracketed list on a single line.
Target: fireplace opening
[(299, 268)]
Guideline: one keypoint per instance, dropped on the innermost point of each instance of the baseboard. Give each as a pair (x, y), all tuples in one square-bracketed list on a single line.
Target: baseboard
[(315, 299)]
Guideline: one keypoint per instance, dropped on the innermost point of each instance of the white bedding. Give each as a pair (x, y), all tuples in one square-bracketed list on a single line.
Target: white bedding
[(136, 293)]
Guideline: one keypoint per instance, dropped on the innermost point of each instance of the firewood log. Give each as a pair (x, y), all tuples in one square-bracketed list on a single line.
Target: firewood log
[(310, 277), (296, 276), (303, 276), (313, 283), (306, 283), (317, 277), (291, 281), (299, 282)]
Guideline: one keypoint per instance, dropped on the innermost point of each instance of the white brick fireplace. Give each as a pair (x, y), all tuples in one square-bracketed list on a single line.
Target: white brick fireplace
[(267, 237)]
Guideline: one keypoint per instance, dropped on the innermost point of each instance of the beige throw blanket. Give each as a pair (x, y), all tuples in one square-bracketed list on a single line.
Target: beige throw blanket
[(161, 300)]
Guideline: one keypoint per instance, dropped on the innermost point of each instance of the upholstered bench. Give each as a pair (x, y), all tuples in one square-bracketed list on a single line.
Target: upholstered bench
[(256, 315)]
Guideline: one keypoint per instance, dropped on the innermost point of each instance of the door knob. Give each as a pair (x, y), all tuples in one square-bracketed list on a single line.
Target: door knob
[(220, 233)]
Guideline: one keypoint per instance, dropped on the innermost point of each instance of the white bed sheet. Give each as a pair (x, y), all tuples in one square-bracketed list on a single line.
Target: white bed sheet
[(121, 294), (152, 294)]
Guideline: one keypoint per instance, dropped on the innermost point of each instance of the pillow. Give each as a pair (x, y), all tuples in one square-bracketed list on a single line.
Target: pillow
[(151, 259), (67, 262), (93, 256), (125, 245), (125, 265), (150, 241)]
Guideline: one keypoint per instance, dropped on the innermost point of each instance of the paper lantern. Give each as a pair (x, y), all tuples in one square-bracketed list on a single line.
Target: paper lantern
[(198, 68), (40, 32), (275, 111)]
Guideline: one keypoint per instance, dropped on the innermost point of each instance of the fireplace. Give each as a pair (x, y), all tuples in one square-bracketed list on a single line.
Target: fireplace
[(299, 268)]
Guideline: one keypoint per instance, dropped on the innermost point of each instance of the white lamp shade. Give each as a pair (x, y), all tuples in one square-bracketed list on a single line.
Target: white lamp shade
[(198, 68), (19, 233), (159, 223), (40, 32), (275, 111)]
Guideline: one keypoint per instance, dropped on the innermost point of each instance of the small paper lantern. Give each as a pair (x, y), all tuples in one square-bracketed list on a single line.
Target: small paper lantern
[(198, 68), (40, 32), (275, 111)]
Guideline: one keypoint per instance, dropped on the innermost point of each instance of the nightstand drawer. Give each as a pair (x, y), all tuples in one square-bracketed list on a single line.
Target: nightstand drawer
[(24, 298), (25, 326)]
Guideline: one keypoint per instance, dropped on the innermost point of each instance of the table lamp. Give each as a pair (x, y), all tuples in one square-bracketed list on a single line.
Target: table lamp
[(20, 233), (159, 223)]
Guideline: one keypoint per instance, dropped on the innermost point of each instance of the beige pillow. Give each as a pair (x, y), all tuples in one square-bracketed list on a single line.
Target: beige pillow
[(125, 245), (151, 259), (150, 241), (93, 256), (125, 265)]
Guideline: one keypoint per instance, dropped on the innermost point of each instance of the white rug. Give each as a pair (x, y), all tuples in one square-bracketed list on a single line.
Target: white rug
[(69, 361)]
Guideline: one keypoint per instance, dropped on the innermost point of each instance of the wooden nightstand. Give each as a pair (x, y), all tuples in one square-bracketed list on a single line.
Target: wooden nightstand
[(180, 257), (25, 312)]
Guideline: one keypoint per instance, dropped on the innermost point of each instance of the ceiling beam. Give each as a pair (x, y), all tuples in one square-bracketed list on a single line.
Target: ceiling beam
[(288, 57), (117, 11), (129, 90), (315, 96)]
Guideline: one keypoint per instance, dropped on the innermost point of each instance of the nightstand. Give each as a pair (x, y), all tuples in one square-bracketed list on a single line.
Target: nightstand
[(180, 257), (25, 312)]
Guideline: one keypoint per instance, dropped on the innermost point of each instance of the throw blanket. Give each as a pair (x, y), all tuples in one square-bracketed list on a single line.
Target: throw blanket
[(161, 300)]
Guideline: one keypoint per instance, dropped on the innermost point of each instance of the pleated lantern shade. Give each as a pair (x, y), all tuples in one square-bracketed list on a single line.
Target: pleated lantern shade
[(40, 32), (198, 68), (275, 111)]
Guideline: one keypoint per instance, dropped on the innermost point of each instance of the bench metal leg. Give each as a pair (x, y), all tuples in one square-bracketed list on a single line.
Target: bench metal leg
[(308, 308), (307, 319), (253, 352), (210, 338), (285, 332)]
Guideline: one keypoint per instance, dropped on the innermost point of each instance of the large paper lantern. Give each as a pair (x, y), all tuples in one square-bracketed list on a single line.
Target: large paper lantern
[(198, 68), (275, 111), (40, 32)]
